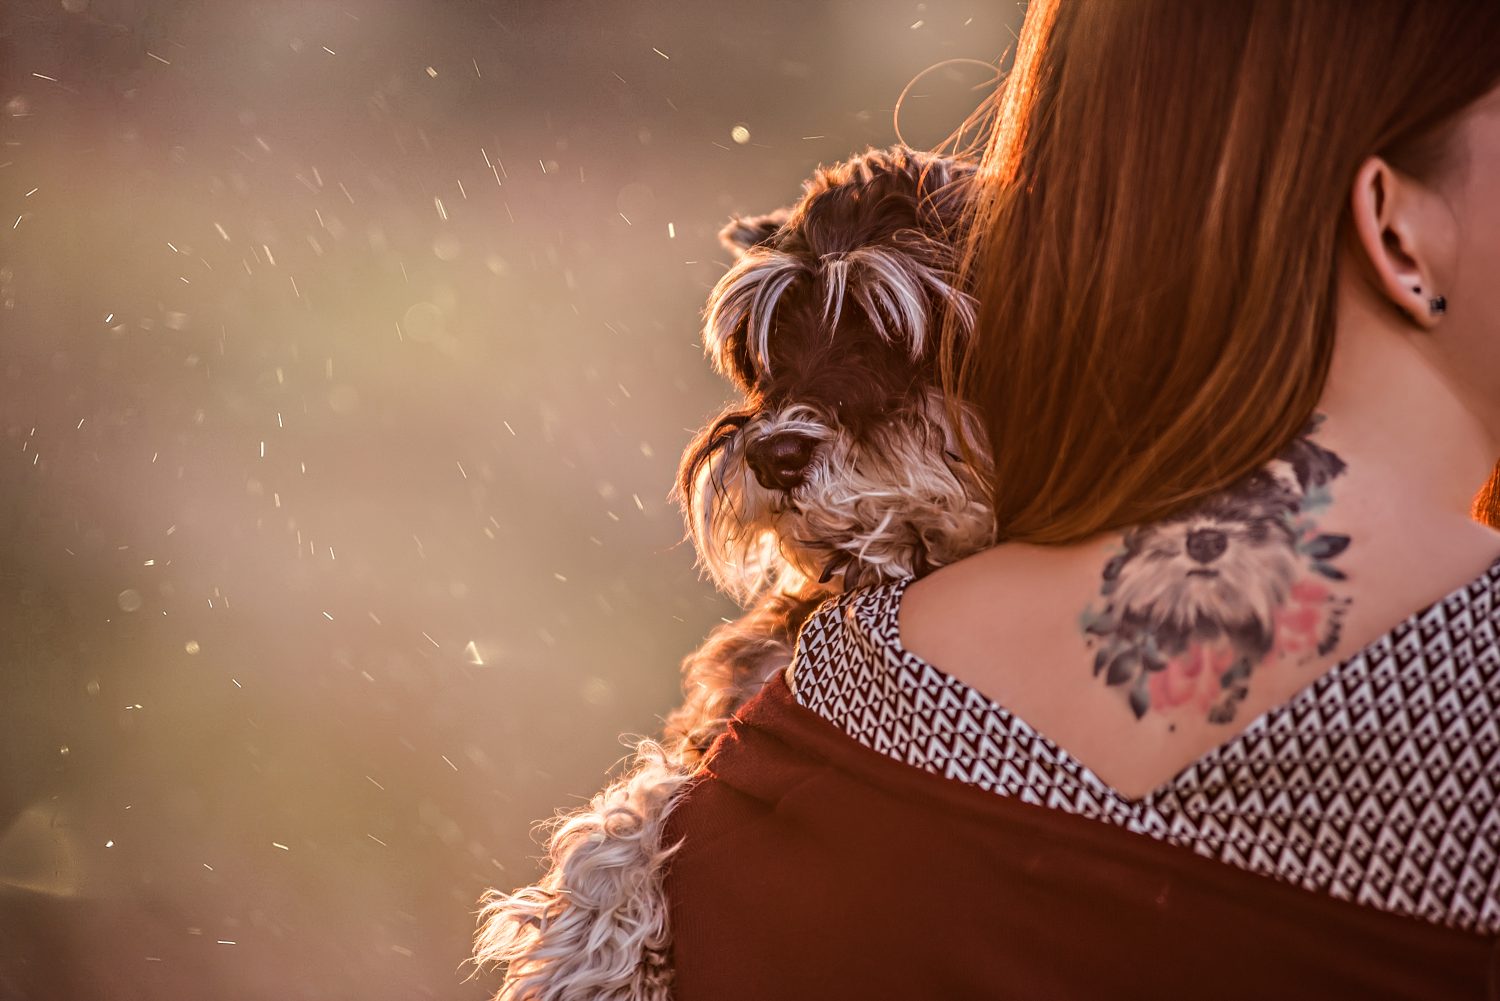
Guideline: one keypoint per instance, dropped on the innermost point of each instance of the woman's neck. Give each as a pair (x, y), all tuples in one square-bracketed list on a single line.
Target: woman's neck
[(1420, 454)]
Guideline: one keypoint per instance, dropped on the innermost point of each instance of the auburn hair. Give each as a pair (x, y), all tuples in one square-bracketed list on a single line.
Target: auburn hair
[(1154, 235)]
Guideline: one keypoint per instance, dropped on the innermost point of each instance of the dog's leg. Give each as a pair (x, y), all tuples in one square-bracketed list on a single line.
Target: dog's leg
[(595, 925), (730, 667)]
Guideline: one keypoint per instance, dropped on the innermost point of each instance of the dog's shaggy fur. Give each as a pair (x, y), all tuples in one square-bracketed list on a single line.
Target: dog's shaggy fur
[(837, 469)]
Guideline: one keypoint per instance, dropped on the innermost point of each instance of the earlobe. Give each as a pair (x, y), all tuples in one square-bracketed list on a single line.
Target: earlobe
[(1383, 205)]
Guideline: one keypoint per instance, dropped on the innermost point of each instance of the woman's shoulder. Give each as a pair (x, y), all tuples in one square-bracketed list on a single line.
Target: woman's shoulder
[(993, 602), (851, 632)]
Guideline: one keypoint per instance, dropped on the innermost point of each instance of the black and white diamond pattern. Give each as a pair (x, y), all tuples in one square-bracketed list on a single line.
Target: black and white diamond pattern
[(1375, 784)]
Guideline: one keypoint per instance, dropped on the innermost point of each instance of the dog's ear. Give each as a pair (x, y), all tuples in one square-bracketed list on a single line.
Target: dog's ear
[(744, 232), (1312, 464)]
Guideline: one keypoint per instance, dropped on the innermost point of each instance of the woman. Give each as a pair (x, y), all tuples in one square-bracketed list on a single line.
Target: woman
[(1221, 715)]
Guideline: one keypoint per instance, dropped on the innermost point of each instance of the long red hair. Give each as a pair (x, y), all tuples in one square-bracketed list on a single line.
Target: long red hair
[(1154, 239)]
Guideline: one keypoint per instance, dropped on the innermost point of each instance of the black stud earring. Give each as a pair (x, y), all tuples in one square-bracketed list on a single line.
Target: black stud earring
[(1437, 306)]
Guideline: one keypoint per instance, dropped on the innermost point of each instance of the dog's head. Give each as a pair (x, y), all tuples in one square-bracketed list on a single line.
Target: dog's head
[(839, 466)]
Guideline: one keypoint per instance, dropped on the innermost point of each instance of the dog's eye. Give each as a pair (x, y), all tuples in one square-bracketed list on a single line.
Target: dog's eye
[(1261, 482)]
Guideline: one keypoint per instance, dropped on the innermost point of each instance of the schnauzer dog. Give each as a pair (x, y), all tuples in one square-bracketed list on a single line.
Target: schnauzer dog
[(1220, 578), (837, 468)]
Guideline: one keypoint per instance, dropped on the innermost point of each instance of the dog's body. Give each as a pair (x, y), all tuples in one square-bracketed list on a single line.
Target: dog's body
[(837, 469)]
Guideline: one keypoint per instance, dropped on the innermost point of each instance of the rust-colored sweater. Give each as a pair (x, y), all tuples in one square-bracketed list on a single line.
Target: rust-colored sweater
[(814, 867)]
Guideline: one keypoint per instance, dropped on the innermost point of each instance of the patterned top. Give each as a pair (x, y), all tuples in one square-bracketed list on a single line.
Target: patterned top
[(1376, 783)]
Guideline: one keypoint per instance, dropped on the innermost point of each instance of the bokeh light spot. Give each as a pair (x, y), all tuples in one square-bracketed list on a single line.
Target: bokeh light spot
[(423, 322)]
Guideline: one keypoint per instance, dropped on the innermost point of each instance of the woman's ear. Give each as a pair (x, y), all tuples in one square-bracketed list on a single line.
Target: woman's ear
[(1393, 223)]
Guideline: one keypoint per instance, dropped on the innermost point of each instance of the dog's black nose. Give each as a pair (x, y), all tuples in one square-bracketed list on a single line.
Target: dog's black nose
[(1206, 544), (780, 461)]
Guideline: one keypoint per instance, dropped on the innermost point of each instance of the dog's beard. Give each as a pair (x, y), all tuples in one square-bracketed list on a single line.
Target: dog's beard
[(895, 504), (1238, 592), (732, 518), (895, 507)]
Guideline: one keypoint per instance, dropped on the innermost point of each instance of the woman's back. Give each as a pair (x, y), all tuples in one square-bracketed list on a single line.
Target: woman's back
[(1357, 777), (952, 851)]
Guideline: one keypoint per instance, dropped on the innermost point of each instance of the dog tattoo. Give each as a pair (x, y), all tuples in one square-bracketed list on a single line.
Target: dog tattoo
[(1195, 603)]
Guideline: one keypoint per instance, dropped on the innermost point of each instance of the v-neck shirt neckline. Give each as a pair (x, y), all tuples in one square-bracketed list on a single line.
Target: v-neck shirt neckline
[(878, 611)]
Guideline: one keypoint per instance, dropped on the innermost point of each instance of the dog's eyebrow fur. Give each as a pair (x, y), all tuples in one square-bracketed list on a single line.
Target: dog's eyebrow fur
[(894, 286), (747, 297)]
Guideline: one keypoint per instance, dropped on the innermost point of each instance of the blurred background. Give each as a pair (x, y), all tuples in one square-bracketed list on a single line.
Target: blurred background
[(347, 351)]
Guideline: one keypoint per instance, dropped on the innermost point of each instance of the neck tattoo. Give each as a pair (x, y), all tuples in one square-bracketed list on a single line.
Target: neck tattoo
[(1195, 604)]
